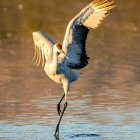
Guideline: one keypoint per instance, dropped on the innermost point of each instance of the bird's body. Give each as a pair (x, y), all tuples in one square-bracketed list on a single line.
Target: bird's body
[(61, 63), (63, 75)]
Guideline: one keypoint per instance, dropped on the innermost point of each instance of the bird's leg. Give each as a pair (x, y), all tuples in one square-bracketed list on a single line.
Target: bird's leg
[(66, 88), (58, 105), (57, 127)]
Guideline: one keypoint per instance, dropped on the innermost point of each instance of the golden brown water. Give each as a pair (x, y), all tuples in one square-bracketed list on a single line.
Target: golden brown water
[(104, 104)]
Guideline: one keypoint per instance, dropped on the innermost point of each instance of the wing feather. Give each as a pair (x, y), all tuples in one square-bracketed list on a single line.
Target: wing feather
[(98, 3), (100, 10), (35, 53), (43, 48), (76, 33)]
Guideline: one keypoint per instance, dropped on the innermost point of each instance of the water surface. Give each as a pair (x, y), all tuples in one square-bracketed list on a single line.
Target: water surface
[(104, 104)]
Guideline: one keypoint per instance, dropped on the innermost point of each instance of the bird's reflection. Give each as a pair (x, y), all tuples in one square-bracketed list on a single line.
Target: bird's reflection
[(78, 136), (84, 135)]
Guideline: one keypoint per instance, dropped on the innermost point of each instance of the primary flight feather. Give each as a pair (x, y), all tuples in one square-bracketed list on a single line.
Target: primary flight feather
[(59, 61)]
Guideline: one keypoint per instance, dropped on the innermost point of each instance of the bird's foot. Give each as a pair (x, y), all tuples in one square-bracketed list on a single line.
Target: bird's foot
[(57, 133), (56, 136), (59, 109)]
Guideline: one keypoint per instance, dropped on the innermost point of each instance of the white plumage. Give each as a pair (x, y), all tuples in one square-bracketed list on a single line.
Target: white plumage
[(59, 61)]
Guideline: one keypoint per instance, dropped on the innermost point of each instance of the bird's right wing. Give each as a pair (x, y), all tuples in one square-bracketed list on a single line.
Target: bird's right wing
[(77, 30), (43, 48), (93, 15)]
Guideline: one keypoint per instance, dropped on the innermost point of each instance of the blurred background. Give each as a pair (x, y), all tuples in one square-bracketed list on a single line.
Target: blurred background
[(104, 103)]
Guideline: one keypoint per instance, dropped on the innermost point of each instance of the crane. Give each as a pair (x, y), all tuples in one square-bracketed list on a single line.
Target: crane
[(61, 62)]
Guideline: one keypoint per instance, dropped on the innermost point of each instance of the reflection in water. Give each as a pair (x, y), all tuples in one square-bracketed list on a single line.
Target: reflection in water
[(104, 104), (84, 135)]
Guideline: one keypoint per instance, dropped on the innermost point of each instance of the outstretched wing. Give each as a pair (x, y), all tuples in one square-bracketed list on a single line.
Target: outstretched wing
[(75, 37), (43, 48)]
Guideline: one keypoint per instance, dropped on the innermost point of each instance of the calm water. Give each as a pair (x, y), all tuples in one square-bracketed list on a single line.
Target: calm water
[(104, 104)]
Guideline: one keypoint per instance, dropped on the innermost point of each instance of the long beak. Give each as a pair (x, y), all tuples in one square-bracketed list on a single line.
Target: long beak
[(64, 54)]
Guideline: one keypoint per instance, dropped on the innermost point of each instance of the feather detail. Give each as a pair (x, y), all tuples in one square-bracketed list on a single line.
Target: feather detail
[(91, 17), (43, 48), (76, 33), (100, 10), (43, 60)]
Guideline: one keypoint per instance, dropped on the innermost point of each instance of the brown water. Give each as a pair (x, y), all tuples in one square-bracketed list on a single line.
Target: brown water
[(104, 104)]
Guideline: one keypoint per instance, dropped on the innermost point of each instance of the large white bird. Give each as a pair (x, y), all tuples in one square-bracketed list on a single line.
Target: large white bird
[(62, 62)]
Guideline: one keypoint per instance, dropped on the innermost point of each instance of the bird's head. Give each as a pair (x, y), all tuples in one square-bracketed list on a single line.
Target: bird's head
[(58, 48)]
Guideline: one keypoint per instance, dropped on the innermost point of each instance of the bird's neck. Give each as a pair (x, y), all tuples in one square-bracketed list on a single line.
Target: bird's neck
[(54, 62)]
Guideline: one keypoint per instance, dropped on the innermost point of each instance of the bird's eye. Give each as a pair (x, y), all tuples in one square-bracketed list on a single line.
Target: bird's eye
[(58, 53)]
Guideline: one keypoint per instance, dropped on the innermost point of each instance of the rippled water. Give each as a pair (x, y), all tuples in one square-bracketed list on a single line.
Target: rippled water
[(104, 104)]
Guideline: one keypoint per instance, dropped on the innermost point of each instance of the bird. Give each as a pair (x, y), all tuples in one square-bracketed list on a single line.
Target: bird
[(62, 62)]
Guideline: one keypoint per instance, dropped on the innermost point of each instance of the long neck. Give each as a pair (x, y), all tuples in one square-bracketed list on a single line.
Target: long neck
[(54, 62)]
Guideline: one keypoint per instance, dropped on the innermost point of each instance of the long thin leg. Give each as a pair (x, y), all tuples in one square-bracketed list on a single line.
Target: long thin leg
[(57, 127), (58, 105)]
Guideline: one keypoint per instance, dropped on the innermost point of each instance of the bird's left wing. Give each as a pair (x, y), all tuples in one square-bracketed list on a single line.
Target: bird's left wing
[(43, 47), (76, 33)]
